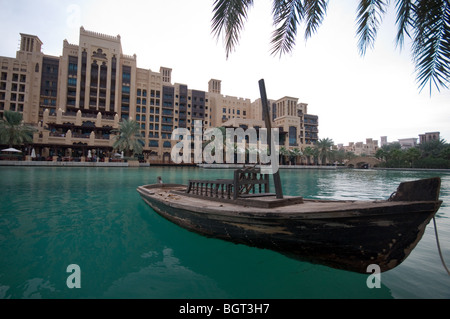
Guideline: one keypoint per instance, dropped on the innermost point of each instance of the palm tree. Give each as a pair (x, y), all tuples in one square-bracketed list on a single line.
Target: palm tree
[(128, 138), (432, 148), (308, 152), (283, 153), (295, 153), (324, 147), (13, 131), (425, 22)]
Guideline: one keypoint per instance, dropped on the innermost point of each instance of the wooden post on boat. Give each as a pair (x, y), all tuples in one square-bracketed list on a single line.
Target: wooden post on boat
[(271, 145)]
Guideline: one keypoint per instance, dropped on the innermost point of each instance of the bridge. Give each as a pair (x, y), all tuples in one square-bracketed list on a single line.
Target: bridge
[(363, 162)]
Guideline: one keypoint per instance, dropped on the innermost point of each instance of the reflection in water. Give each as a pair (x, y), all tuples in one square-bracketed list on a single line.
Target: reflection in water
[(164, 278), (33, 288)]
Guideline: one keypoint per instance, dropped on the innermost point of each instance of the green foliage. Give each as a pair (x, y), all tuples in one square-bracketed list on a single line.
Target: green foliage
[(13, 132), (128, 138), (432, 154), (324, 149), (425, 22)]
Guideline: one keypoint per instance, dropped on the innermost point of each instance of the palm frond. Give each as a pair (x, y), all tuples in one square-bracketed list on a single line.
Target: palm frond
[(404, 20), (315, 11), (369, 15), (431, 44), (228, 20), (13, 131), (287, 15), (128, 137)]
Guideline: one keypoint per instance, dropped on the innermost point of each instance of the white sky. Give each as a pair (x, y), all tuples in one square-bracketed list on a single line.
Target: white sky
[(355, 97)]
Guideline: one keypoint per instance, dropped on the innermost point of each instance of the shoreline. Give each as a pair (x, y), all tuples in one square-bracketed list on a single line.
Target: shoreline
[(203, 166), (237, 166), (70, 164)]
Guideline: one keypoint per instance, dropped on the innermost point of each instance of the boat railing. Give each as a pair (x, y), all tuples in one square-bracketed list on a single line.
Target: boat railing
[(247, 182)]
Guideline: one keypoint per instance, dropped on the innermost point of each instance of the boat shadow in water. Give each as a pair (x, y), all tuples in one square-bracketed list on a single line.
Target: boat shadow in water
[(213, 268)]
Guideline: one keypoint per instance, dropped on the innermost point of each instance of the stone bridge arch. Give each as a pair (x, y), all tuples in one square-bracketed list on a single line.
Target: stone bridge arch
[(363, 162)]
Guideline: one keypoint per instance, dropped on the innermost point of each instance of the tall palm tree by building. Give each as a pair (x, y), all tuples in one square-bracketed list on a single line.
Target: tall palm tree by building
[(426, 22), (295, 153), (324, 147), (308, 152), (128, 138), (284, 152), (13, 132)]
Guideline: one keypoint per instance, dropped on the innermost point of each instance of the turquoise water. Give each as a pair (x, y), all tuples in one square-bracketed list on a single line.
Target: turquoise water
[(51, 218)]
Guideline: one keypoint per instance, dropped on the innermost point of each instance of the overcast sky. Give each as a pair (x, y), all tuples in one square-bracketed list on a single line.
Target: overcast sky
[(355, 97)]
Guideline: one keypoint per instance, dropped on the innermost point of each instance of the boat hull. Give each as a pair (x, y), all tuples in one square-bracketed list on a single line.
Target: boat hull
[(343, 235)]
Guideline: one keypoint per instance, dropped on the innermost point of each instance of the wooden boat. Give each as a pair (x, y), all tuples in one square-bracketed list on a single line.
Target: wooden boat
[(349, 235)]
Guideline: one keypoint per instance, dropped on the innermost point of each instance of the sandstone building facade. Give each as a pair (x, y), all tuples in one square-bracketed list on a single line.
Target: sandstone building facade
[(76, 100)]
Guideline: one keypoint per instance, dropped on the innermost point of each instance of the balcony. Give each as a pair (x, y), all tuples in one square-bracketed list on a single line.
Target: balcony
[(68, 139), (77, 118)]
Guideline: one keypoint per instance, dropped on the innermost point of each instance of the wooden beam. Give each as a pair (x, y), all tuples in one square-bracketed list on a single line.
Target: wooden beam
[(265, 106)]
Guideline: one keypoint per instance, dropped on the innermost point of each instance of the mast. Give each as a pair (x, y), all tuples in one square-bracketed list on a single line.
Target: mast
[(271, 145)]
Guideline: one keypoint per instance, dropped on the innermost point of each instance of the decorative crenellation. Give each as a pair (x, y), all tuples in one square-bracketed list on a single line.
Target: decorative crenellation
[(100, 35)]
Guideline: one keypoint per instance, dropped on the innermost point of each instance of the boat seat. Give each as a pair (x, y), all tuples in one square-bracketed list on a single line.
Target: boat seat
[(247, 182)]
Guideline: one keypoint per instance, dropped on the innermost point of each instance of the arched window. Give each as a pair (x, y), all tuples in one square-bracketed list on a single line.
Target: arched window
[(36, 68), (167, 144)]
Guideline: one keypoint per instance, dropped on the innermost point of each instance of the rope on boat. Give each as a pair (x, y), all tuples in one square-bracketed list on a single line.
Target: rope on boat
[(439, 246)]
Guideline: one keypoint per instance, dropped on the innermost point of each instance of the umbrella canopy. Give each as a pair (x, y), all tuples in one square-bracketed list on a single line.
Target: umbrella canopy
[(33, 153), (11, 150)]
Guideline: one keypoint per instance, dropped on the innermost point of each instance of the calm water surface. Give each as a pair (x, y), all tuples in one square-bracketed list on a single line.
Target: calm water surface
[(94, 217)]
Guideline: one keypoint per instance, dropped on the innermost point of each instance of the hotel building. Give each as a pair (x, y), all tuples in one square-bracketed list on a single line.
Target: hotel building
[(76, 100)]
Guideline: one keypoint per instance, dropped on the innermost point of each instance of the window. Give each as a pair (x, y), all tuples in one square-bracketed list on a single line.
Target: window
[(126, 77), (153, 143), (292, 136), (72, 82), (167, 144), (73, 68)]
